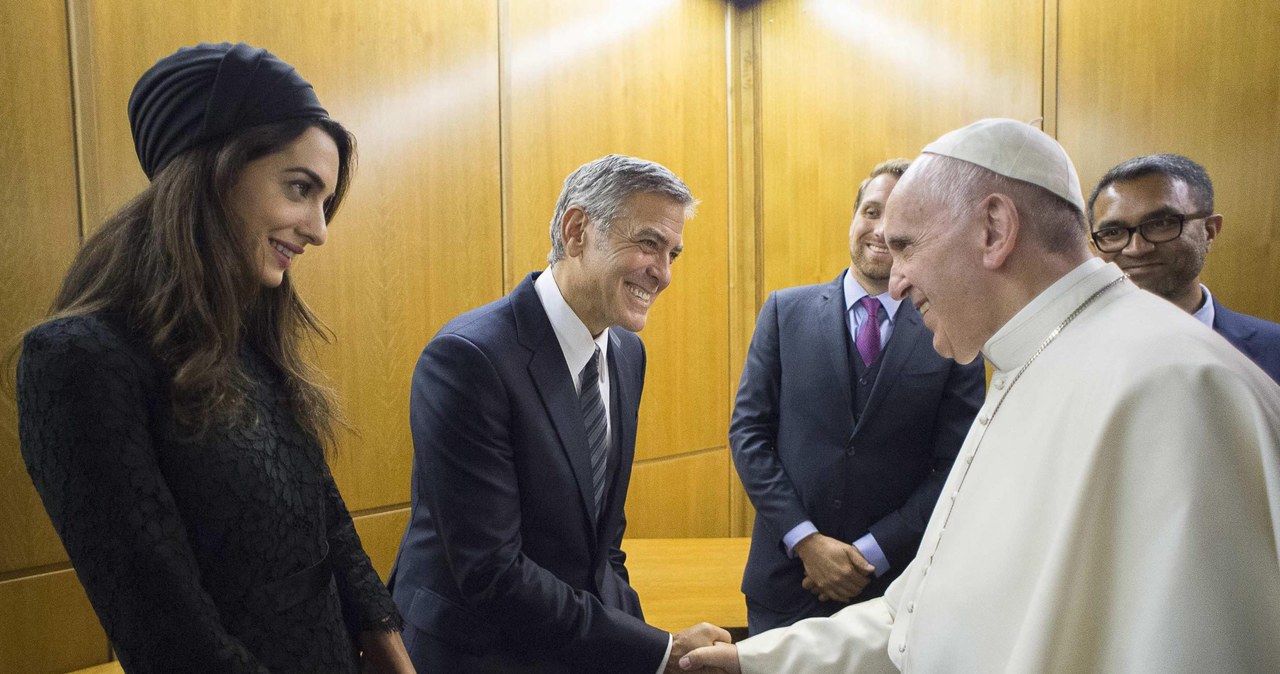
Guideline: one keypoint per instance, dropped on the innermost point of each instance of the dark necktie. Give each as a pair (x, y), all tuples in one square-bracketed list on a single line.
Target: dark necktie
[(594, 419), (868, 339)]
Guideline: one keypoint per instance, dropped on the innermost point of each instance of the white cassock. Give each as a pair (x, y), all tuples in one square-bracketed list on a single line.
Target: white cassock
[(1117, 509)]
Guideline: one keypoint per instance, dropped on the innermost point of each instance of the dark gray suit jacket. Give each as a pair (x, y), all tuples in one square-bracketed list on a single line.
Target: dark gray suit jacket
[(1256, 338), (802, 457), (504, 557)]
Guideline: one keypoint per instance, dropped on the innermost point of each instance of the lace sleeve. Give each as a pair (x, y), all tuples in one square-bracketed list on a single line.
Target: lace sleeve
[(85, 405), (366, 604)]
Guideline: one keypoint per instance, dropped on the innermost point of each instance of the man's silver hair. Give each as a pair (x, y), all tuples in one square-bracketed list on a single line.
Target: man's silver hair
[(600, 188)]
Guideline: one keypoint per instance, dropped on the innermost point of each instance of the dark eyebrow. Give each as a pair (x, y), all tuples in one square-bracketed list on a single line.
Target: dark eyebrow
[(871, 203), (1152, 215), (309, 173)]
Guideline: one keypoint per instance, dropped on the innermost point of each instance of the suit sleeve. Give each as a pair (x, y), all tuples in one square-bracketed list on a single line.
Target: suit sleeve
[(899, 532), (753, 431), (618, 558), (84, 422), (460, 415)]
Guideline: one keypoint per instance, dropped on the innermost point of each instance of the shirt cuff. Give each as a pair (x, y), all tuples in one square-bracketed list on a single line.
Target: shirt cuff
[(871, 551), (797, 534), (663, 665)]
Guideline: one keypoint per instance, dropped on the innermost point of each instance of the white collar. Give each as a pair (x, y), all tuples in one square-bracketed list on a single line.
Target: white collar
[(1014, 342), (576, 342)]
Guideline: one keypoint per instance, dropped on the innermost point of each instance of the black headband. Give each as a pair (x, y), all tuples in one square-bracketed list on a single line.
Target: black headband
[(206, 92)]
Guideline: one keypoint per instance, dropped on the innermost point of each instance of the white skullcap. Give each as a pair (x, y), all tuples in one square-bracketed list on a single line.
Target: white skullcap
[(1014, 150)]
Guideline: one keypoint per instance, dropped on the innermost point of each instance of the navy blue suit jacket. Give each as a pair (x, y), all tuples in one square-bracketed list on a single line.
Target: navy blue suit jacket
[(504, 553), (1256, 338), (802, 457)]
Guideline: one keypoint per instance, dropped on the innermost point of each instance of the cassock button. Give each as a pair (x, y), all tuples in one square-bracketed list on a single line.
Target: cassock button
[(984, 420), (902, 647), (998, 383), (911, 607), (848, 451), (968, 459), (836, 503)]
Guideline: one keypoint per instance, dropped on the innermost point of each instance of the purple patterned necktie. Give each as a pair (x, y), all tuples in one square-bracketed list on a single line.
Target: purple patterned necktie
[(868, 339)]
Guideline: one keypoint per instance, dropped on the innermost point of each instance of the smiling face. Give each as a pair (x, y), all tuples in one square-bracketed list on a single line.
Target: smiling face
[(279, 200), (1170, 269), (613, 278), (936, 260), (870, 256)]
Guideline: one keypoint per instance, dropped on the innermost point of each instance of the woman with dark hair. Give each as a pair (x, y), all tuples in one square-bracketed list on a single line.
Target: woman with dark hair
[(168, 418)]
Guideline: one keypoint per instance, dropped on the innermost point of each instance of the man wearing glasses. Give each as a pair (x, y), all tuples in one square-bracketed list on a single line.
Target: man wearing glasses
[(1153, 216)]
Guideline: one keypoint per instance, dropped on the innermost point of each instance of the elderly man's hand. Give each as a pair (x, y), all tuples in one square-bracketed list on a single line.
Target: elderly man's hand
[(834, 571), (698, 636), (714, 658)]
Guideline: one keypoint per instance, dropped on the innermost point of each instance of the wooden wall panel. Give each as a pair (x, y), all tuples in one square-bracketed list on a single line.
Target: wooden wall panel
[(47, 626), (683, 496), (591, 78), (419, 238), (846, 84), (39, 234), (380, 535), (1193, 78)]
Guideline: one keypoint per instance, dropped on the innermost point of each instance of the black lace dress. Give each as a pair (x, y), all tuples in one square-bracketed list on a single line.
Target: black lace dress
[(231, 554)]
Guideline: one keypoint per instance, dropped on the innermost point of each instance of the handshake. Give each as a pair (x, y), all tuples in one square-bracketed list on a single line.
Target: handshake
[(703, 648)]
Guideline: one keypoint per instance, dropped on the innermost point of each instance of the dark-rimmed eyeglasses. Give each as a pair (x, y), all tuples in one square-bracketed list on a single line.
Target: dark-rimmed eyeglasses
[(1114, 238)]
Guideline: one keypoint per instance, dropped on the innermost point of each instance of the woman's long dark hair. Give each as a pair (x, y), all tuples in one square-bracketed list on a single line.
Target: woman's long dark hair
[(179, 268)]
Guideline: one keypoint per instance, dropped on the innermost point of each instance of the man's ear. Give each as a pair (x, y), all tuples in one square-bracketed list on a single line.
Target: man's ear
[(1001, 226), (1212, 227), (573, 228)]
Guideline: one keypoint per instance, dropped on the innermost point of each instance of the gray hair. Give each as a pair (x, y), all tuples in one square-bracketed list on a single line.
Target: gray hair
[(1057, 224), (600, 187)]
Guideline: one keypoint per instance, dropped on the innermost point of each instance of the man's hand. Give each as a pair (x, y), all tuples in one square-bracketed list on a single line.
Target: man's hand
[(698, 636), (834, 571), (716, 658)]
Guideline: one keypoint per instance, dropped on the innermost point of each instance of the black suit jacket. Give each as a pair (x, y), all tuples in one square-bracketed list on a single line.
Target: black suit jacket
[(504, 554), (1256, 338), (802, 457)]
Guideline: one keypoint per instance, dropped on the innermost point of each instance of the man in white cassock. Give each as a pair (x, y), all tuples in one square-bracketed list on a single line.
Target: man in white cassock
[(1115, 506)]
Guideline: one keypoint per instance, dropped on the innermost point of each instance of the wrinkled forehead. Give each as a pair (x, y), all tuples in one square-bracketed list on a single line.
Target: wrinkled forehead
[(914, 200)]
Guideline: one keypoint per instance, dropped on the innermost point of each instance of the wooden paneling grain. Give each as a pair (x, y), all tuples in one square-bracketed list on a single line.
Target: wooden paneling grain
[(745, 176), (47, 625), (1198, 79), (590, 78), (380, 536), (846, 84), (684, 496), (418, 240), (39, 235)]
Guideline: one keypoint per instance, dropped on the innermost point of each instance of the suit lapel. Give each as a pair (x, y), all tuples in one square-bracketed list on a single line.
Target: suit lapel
[(833, 325), (550, 375), (622, 390), (907, 331)]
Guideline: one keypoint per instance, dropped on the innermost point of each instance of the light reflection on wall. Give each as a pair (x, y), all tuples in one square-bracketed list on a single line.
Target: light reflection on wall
[(925, 57), (448, 97), (539, 55)]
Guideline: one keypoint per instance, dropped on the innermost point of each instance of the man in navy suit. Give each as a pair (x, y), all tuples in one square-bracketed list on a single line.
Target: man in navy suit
[(1153, 216), (846, 424), (524, 415)]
